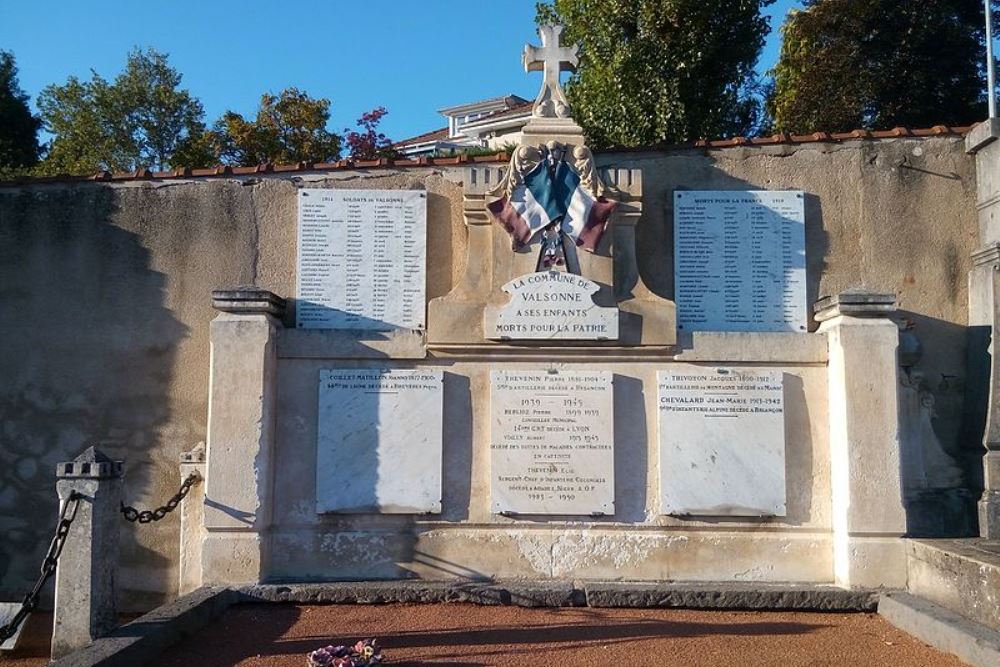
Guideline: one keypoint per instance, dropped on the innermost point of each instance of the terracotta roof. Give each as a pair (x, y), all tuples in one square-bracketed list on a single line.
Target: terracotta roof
[(443, 132), (421, 138), (499, 158)]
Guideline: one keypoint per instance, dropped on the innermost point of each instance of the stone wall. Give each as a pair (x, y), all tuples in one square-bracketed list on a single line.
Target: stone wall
[(104, 301)]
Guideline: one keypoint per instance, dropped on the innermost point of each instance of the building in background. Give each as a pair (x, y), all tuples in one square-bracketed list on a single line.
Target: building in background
[(487, 124)]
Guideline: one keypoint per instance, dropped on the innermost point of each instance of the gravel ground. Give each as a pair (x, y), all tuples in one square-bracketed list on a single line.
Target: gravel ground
[(470, 635)]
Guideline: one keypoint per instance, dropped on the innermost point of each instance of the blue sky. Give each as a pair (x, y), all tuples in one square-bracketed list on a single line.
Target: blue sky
[(412, 57)]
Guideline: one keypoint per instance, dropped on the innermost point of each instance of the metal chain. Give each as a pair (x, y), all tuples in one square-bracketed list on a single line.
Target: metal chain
[(146, 516), (48, 568)]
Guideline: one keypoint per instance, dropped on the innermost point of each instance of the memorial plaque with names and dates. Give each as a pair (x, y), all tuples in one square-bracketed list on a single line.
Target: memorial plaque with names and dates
[(361, 259), (722, 442), (739, 260), (552, 449), (379, 441)]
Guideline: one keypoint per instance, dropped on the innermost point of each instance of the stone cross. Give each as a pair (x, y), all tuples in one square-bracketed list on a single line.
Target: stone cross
[(551, 59)]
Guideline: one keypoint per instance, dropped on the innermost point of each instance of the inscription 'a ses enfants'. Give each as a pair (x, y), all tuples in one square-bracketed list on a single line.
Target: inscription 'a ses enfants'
[(552, 304)]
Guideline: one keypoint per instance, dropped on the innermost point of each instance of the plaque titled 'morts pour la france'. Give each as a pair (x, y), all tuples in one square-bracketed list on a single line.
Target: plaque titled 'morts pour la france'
[(740, 260), (362, 257)]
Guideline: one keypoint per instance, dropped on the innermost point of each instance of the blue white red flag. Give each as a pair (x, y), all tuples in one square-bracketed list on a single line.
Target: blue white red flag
[(547, 195)]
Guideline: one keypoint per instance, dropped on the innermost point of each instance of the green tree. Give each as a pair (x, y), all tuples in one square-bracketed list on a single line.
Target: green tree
[(662, 70), (849, 64), (290, 127), (18, 127), (141, 119)]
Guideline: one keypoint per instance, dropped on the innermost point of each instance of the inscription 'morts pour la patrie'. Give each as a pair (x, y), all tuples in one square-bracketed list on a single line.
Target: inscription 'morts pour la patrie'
[(362, 258), (552, 442), (552, 305)]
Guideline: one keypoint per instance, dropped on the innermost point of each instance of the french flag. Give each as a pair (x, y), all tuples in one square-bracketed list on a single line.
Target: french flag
[(548, 195)]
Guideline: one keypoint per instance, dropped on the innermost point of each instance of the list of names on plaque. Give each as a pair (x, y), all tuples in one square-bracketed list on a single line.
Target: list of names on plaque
[(361, 260), (552, 438), (722, 442), (739, 259)]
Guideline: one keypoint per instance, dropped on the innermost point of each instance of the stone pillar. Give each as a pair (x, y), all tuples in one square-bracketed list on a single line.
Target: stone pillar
[(865, 474), (85, 604), (192, 511), (984, 318), (240, 448)]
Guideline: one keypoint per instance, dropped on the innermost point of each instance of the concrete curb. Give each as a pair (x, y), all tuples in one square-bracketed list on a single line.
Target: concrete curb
[(146, 637), (942, 628), (730, 596), (522, 594), (573, 594)]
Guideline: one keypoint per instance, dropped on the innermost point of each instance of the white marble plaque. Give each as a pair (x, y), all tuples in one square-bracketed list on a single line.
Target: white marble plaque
[(551, 442), (739, 260), (722, 442), (379, 441), (552, 305), (361, 260)]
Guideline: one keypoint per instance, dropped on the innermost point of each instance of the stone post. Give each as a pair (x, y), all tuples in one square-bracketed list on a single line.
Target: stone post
[(868, 516), (192, 511), (984, 319), (241, 414), (85, 605)]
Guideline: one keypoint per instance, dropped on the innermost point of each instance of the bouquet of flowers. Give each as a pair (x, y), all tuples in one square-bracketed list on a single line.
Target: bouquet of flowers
[(363, 654)]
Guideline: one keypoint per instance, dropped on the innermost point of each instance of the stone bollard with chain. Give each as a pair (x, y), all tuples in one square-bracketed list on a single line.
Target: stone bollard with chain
[(85, 602)]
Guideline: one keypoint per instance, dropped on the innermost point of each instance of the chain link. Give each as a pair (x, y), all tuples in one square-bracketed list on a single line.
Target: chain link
[(48, 568), (147, 516)]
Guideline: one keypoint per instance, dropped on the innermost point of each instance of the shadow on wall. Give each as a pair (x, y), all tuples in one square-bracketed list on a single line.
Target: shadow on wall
[(88, 351), (655, 231), (942, 473)]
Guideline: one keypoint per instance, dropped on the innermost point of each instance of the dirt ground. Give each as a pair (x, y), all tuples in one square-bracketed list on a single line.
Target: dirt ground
[(472, 636), (469, 635)]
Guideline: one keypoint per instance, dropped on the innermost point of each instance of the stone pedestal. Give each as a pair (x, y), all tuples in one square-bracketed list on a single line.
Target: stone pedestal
[(868, 516), (192, 511), (85, 578), (984, 318), (241, 410)]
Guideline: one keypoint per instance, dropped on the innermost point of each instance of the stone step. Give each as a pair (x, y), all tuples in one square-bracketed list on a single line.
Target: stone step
[(942, 628), (961, 575)]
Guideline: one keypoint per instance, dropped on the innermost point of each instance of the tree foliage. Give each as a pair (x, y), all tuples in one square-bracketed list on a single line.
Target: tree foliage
[(662, 70), (141, 119), (849, 64), (289, 127), (18, 127), (369, 143)]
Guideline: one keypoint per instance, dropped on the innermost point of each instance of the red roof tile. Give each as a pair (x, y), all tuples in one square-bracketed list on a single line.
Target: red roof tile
[(499, 158)]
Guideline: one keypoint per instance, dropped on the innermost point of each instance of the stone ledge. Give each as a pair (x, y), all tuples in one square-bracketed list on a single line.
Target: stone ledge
[(982, 135), (753, 347), (346, 344), (941, 628), (146, 637), (726, 595), (521, 594)]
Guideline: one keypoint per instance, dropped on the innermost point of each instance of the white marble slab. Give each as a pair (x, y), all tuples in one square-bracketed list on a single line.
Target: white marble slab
[(552, 442), (361, 261), (379, 442), (551, 305), (722, 442), (740, 260)]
